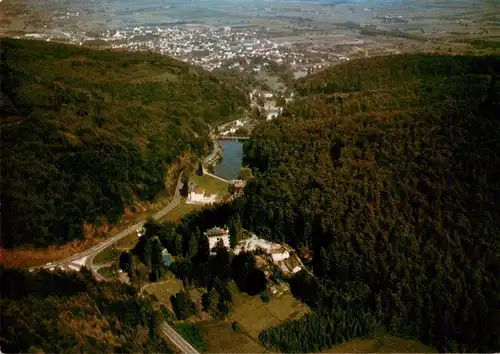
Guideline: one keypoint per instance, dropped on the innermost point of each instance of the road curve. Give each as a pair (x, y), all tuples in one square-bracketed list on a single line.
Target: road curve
[(90, 253)]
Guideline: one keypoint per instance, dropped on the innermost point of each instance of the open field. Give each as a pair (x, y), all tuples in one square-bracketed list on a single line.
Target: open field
[(107, 255), (127, 243), (108, 272), (210, 184), (181, 210), (381, 344), (163, 290), (221, 338), (253, 316)]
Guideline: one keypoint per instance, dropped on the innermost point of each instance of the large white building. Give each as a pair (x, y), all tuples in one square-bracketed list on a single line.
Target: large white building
[(276, 251), (215, 234), (279, 254), (252, 244), (199, 196)]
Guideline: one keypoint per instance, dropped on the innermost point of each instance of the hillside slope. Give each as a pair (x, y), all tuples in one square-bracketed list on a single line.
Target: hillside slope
[(59, 313), (86, 133), (387, 170)]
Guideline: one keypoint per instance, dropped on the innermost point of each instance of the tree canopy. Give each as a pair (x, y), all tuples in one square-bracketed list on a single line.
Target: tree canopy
[(87, 133), (386, 169), (55, 312)]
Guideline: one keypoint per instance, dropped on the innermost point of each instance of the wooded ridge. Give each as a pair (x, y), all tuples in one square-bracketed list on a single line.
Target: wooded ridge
[(86, 133), (386, 171)]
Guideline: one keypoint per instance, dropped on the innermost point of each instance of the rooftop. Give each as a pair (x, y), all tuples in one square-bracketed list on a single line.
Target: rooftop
[(216, 231), (198, 190)]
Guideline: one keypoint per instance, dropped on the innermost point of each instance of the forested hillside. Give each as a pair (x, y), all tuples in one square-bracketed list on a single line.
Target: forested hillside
[(60, 313), (86, 133), (387, 170)]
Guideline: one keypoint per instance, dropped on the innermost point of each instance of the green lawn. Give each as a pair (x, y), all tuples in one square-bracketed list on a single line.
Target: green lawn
[(107, 255), (181, 210), (221, 338), (210, 184), (253, 316), (127, 242), (164, 289), (108, 272), (381, 344)]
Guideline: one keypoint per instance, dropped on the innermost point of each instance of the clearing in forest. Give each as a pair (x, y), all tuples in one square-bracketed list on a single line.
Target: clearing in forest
[(253, 316)]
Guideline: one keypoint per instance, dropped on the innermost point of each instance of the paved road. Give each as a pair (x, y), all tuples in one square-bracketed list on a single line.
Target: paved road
[(177, 340), (216, 147), (88, 255), (206, 172), (226, 137), (215, 151)]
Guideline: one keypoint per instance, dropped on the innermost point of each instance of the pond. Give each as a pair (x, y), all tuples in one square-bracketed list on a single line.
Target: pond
[(230, 165)]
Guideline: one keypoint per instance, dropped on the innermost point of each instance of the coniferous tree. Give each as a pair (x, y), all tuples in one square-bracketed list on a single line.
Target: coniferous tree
[(199, 170), (213, 303), (157, 266), (183, 305), (185, 189), (192, 245), (126, 262), (235, 230)]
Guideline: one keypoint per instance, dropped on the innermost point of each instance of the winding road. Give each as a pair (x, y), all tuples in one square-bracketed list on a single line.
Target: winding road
[(86, 258)]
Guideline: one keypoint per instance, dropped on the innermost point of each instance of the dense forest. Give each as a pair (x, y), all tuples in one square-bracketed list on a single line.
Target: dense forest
[(386, 171), (53, 312), (86, 133)]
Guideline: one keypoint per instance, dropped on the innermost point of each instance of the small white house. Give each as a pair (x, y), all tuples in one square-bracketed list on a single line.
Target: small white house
[(296, 269)]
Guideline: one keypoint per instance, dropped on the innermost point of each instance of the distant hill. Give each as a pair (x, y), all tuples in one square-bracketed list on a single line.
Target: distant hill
[(86, 133), (53, 312), (387, 170)]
